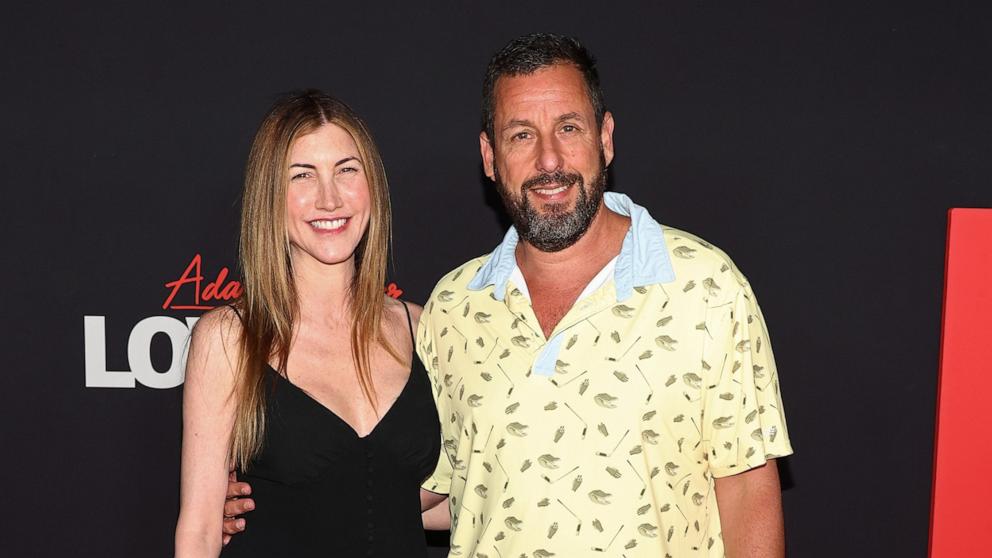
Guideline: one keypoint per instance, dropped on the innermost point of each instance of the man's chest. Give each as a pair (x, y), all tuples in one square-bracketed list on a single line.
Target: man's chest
[(609, 369)]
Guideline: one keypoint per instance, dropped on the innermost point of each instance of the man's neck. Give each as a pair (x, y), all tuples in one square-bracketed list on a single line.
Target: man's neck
[(555, 279), (576, 265)]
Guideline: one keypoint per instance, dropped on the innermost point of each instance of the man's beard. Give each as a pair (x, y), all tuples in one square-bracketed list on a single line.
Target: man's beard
[(556, 228)]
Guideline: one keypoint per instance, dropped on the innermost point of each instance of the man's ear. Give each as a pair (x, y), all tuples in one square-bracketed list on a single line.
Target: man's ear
[(606, 137), (486, 150)]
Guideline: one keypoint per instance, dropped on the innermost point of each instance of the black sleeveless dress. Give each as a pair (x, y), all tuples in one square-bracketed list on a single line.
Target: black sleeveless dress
[(321, 490)]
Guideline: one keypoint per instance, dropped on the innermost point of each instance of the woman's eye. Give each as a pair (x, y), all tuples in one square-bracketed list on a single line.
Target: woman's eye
[(299, 176), (345, 170)]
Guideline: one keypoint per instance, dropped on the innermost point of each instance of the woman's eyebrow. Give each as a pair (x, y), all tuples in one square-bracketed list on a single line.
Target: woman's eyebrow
[(342, 161)]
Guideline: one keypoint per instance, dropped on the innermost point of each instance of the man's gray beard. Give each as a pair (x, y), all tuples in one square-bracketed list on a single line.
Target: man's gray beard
[(556, 229)]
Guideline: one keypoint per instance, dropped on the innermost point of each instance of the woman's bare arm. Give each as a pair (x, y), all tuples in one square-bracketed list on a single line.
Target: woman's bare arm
[(208, 420)]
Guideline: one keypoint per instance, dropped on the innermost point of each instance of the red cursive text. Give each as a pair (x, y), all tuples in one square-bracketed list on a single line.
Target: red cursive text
[(216, 290)]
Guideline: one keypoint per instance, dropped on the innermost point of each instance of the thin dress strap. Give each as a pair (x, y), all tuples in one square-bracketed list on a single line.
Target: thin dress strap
[(409, 323)]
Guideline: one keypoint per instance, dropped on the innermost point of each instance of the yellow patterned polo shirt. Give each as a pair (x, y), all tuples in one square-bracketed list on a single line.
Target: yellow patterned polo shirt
[(604, 439)]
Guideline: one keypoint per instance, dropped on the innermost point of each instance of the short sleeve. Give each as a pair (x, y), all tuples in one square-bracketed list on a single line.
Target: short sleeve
[(744, 422), (440, 480)]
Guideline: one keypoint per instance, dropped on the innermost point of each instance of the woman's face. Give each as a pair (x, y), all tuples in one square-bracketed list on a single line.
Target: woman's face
[(327, 199)]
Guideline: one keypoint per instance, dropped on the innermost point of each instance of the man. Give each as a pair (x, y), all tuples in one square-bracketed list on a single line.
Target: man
[(605, 384)]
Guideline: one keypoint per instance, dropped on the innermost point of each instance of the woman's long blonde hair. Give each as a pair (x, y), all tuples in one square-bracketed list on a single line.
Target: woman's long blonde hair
[(269, 308)]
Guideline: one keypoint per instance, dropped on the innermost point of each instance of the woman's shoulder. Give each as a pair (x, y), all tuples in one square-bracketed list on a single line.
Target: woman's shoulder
[(214, 347), (222, 318), (398, 308), (402, 317), (220, 326)]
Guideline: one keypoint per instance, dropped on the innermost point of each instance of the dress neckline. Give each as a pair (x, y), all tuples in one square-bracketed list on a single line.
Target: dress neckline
[(384, 416), (336, 416)]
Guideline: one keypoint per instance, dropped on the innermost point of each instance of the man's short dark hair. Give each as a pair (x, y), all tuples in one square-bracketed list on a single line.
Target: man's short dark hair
[(529, 53)]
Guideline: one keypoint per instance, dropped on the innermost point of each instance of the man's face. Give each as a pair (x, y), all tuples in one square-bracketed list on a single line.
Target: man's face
[(548, 156)]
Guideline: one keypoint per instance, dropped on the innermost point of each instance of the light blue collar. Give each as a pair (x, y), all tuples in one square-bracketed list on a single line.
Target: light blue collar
[(643, 258)]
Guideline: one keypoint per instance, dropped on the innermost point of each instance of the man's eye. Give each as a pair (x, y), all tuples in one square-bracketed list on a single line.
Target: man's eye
[(568, 128), (521, 135)]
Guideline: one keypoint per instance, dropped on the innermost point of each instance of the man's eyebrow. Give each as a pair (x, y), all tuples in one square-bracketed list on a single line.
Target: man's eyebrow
[(518, 122)]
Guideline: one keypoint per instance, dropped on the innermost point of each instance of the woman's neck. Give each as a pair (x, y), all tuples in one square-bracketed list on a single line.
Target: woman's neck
[(323, 291)]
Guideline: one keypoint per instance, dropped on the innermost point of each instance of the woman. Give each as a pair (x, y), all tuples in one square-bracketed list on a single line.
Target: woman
[(309, 385)]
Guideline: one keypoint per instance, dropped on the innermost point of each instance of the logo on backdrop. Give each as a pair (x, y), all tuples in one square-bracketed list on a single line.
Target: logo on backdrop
[(190, 291)]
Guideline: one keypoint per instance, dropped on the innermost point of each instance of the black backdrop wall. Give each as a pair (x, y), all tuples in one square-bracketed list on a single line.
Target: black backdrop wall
[(837, 136)]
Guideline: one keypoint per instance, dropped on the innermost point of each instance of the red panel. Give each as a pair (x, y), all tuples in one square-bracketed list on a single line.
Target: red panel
[(961, 513)]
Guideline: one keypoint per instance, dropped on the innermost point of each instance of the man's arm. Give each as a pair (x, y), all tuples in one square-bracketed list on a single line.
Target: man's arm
[(436, 515), (750, 505), (748, 493), (237, 503)]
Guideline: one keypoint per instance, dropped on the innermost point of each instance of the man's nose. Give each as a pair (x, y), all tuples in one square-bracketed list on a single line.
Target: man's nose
[(549, 158)]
